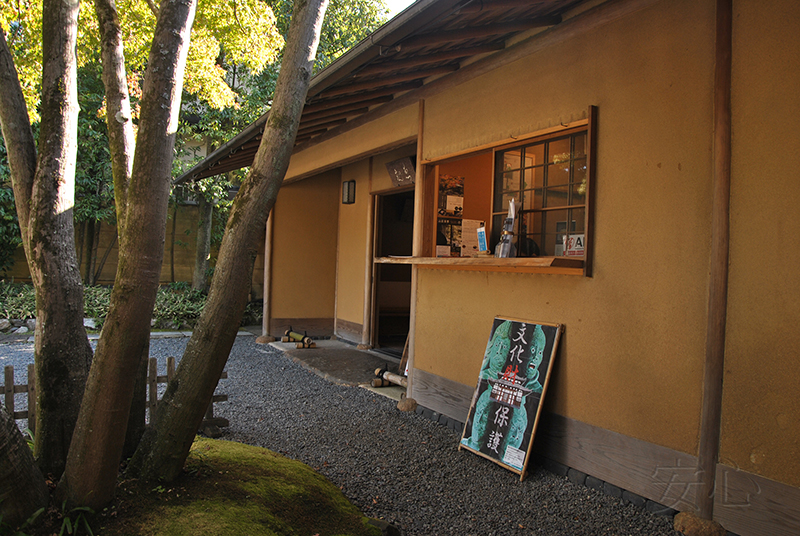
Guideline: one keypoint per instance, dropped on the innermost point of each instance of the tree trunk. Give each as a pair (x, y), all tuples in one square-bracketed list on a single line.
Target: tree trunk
[(22, 486), (203, 249), (94, 456), (44, 200), (164, 447), (137, 420)]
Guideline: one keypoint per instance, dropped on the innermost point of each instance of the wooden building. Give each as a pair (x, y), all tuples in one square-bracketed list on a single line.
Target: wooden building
[(650, 147)]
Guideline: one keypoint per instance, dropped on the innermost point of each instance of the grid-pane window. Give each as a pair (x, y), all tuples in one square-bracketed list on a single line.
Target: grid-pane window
[(547, 179)]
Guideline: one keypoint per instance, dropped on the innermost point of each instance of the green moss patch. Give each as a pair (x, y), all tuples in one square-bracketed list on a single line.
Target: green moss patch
[(231, 488)]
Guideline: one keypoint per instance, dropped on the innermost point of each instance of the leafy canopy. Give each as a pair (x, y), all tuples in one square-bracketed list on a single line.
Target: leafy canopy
[(245, 30)]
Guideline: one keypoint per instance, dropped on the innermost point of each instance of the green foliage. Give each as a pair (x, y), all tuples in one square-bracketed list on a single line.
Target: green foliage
[(96, 301), (176, 304), (94, 185), (7, 530), (81, 519), (10, 238), (17, 300)]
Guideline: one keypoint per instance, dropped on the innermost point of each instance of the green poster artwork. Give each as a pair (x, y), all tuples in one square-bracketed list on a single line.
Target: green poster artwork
[(507, 401)]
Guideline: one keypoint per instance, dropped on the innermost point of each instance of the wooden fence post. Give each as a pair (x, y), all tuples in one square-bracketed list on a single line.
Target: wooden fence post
[(32, 398)]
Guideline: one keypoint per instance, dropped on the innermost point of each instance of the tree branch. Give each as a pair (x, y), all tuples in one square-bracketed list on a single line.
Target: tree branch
[(118, 117), (18, 136)]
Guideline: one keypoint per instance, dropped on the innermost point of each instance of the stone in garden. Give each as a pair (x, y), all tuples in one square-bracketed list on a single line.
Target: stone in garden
[(407, 404), (31, 324), (89, 323), (4, 324), (21, 330), (689, 524)]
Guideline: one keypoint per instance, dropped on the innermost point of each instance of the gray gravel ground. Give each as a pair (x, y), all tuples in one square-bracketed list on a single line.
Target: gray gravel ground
[(396, 466)]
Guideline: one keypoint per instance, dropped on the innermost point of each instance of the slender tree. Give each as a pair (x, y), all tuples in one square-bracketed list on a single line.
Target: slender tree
[(44, 190), (164, 447)]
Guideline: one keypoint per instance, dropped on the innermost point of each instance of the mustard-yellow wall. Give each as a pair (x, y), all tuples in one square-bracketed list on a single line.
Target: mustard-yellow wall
[(761, 405), (353, 246), (631, 359), (304, 248), (387, 130)]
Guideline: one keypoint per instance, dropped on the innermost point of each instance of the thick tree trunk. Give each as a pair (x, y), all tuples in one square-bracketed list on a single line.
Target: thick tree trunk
[(22, 487), (203, 249), (164, 447), (44, 199), (91, 472)]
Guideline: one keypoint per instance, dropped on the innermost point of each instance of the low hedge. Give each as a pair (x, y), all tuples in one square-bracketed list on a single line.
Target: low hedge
[(177, 305)]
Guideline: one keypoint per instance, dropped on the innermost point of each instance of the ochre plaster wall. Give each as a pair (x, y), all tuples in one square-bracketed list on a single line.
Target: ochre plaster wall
[(400, 125), (352, 253), (761, 406), (631, 359), (304, 248)]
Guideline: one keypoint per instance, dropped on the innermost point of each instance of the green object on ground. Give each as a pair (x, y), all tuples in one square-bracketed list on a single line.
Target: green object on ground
[(231, 488)]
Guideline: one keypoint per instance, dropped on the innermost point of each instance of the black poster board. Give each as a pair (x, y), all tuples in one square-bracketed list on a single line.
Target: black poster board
[(507, 402)]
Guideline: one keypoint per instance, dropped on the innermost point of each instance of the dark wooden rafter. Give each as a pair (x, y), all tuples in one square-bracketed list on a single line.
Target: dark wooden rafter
[(477, 32), (319, 129), (345, 108), (325, 104), (416, 61), (334, 117), (482, 6), (388, 81)]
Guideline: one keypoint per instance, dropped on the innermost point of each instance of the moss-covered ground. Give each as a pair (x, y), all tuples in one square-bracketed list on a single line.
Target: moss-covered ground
[(231, 488)]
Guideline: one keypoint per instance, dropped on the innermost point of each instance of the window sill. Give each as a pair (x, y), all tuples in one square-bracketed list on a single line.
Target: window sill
[(546, 265)]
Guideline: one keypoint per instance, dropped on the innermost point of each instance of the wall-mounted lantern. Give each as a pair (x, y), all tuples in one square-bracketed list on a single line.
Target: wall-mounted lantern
[(348, 192)]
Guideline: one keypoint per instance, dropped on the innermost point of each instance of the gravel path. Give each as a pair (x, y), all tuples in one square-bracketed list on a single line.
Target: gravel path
[(392, 465)]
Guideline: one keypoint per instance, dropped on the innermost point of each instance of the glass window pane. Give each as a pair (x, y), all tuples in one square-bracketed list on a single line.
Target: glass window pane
[(532, 199), (579, 217), (580, 145), (511, 159), (559, 150), (579, 182), (556, 226), (533, 178), (534, 155), (530, 235), (557, 174), (557, 197), (511, 181)]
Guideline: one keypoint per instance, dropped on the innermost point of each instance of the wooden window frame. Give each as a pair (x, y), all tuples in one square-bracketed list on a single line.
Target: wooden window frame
[(550, 264)]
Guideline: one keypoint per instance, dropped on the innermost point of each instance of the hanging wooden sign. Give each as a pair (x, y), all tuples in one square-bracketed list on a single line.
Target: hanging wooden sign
[(507, 402)]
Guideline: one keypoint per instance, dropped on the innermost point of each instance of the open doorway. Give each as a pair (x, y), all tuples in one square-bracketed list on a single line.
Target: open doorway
[(392, 304)]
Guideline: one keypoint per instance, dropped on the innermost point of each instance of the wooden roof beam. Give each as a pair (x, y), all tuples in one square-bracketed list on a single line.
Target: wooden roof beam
[(361, 97), (477, 32), (319, 129), (390, 80), (324, 120), (416, 61), (342, 109), (481, 6)]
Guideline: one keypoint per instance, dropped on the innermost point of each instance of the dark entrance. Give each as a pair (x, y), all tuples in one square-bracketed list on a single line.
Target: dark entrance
[(394, 237)]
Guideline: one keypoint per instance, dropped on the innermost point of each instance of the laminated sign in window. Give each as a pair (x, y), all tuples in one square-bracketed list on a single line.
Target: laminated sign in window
[(507, 402)]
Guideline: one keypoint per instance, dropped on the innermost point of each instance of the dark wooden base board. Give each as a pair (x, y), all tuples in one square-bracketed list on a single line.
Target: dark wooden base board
[(313, 327), (745, 503)]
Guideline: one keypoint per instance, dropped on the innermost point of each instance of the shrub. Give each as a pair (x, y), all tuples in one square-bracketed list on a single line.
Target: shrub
[(177, 305)]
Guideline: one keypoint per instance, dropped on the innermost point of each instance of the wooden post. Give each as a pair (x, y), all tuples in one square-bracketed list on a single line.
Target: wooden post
[(32, 398), (366, 330), (419, 226), (152, 388), (267, 305), (708, 452), (8, 389), (170, 368)]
